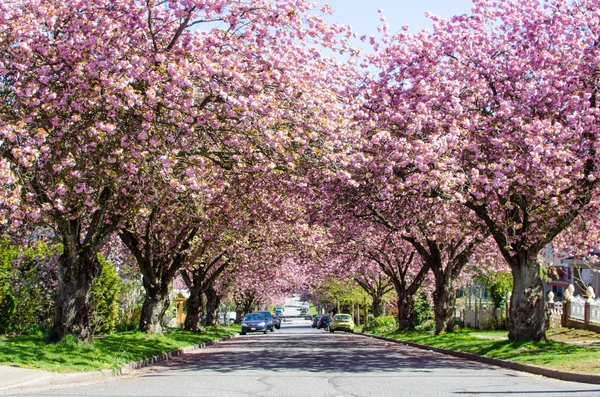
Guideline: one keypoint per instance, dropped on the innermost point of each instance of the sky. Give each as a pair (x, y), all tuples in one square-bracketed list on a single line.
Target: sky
[(363, 16)]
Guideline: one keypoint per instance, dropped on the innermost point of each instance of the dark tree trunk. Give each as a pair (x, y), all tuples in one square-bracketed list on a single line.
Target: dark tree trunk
[(406, 311), (238, 315), (527, 317), (194, 307), (155, 305), (157, 274), (248, 304), (527, 313), (77, 270), (444, 299), (377, 305), (213, 301)]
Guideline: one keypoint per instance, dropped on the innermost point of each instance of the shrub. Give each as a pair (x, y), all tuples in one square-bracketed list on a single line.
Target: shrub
[(382, 325), (33, 280), (7, 311), (7, 300), (105, 298), (424, 312)]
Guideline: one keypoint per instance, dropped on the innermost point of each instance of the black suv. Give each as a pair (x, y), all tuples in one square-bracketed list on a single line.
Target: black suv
[(269, 320)]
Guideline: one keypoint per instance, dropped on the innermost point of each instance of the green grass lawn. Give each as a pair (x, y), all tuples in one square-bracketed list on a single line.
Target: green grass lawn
[(551, 354), (107, 352)]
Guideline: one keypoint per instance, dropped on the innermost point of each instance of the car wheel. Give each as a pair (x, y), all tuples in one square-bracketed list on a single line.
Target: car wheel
[(265, 331), (272, 329), (242, 333)]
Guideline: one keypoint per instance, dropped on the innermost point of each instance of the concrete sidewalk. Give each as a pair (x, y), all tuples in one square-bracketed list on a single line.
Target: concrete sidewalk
[(19, 380)]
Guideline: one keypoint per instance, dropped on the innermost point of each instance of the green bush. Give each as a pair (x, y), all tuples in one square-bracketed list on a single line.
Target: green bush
[(7, 311), (28, 279), (105, 298), (425, 315), (382, 325), (7, 300)]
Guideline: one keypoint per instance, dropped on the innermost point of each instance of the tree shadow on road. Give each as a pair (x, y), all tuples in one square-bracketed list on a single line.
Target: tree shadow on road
[(315, 352)]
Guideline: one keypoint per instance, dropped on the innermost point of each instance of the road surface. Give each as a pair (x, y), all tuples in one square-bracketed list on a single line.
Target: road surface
[(300, 361)]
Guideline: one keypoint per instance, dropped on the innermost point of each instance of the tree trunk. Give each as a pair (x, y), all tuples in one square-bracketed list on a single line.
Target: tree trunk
[(377, 306), (155, 305), (248, 306), (444, 299), (406, 311), (77, 270), (213, 301), (239, 315), (194, 306), (527, 318)]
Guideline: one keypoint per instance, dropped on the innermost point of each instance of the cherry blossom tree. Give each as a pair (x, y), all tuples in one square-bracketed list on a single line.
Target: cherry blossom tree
[(160, 245), (375, 283), (101, 99), (199, 278), (407, 272), (497, 111)]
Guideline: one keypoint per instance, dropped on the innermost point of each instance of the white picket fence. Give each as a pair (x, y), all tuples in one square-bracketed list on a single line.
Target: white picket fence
[(575, 311)]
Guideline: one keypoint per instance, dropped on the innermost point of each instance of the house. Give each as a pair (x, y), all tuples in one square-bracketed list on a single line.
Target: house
[(579, 271)]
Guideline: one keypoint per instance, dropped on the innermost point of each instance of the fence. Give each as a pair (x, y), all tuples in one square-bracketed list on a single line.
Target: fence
[(577, 312), (481, 317)]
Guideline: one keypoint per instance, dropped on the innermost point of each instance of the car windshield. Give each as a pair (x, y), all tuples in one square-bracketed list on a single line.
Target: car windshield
[(342, 317), (267, 314), (254, 317)]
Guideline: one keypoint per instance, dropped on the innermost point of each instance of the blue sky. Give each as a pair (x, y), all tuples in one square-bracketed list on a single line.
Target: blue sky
[(363, 16)]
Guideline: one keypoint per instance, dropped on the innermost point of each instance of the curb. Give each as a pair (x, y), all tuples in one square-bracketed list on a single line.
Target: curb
[(50, 381), (532, 369), (129, 368)]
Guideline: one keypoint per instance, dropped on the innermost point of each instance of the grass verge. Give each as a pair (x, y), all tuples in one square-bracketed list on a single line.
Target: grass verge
[(559, 352), (108, 352)]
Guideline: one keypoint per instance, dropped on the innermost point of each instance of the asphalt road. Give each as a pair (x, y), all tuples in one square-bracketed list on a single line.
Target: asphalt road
[(300, 361)]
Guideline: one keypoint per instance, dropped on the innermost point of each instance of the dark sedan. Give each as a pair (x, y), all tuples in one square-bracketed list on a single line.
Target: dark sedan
[(277, 322), (324, 322), (268, 319), (254, 322)]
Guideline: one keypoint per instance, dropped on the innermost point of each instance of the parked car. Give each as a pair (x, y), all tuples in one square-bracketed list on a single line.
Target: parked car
[(315, 321), (277, 322), (279, 311), (342, 322), (323, 322), (269, 318), (254, 322)]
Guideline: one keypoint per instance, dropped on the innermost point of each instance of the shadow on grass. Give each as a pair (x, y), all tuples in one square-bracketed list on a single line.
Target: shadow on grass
[(107, 352), (542, 353)]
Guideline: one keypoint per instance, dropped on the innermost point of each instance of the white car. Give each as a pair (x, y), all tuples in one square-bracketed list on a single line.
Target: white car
[(229, 317)]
